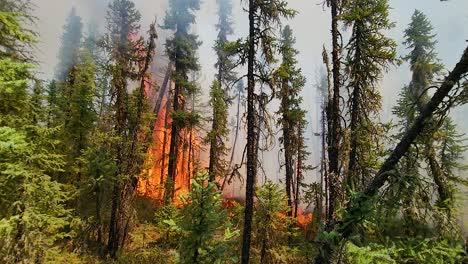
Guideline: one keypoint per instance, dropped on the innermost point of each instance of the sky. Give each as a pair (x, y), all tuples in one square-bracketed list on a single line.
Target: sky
[(311, 28)]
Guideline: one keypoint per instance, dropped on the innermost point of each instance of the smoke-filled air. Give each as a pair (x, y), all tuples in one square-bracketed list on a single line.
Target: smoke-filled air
[(233, 131)]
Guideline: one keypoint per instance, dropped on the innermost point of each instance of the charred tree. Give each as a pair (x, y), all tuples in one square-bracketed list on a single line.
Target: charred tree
[(333, 113)]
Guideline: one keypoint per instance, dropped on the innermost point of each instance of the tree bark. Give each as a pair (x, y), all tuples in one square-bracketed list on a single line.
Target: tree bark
[(288, 151), (251, 138), (334, 107)]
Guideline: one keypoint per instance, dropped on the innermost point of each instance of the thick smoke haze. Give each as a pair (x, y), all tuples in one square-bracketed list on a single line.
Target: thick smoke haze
[(311, 29)]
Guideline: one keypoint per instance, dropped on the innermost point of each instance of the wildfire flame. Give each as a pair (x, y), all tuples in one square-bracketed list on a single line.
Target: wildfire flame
[(152, 183)]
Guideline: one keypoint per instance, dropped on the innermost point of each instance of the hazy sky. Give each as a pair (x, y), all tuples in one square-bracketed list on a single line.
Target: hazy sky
[(311, 28)]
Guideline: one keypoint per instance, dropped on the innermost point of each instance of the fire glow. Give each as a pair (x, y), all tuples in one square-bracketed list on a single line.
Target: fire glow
[(152, 183)]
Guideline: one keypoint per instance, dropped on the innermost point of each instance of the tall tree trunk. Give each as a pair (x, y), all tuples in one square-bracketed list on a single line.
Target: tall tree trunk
[(354, 209), (116, 221), (352, 182), (164, 145), (173, 148), (334, 130), (288, 151), (251, 138), (323, 169)]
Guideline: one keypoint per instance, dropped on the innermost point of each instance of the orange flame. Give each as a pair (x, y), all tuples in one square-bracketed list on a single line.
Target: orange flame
[(152, 183)]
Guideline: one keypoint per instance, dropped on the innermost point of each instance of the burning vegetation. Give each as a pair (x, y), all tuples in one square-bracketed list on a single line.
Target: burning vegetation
[(114, 157)]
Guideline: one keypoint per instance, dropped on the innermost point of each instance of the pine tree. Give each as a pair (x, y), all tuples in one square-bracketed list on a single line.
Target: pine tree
[(181, 50), (369, 53), (291, 82)]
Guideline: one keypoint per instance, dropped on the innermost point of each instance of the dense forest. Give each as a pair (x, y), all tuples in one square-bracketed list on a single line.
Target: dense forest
[(123, 156)]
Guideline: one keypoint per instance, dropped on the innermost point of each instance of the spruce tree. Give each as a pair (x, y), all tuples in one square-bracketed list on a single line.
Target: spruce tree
[(32, 210), (181, 49), (291, 82), (272, 225), (129, 59), (218, 133), (264, 18), (207, 237), (431, 148), (220, 93), (81, 115), (70, 46), (369, 53)]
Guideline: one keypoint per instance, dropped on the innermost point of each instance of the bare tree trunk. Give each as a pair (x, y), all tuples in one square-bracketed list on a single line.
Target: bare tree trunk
[(251, 138), (173, 150), (334, 108), (236, 135), (164, 145), (287, 144)]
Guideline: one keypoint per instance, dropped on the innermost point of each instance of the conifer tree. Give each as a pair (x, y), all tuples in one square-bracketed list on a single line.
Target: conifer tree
[(220, 93), (129, 59), (207, 238), (181, 50), (291, 82), (272, 224), (431, 148), (264, 18), (32, 210), (219, 131), (70, 46), (334, 111), (81, 115), (369, 53), (362, 205)]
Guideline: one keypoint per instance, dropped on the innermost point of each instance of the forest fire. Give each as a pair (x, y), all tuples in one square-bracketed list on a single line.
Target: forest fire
[(152, 183), (303, 218)]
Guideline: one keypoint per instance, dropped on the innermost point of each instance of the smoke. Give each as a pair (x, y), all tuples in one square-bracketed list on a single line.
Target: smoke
[(312, 30)]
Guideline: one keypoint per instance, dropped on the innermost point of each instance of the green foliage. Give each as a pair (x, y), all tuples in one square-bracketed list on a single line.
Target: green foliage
[(291, 116), (32, 205), (410, 250), (13, 91), (167, 222), (217, 137), (369, 53), (148, 256), (272, 227), (207, 234), (440, 140), (32, 211)]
